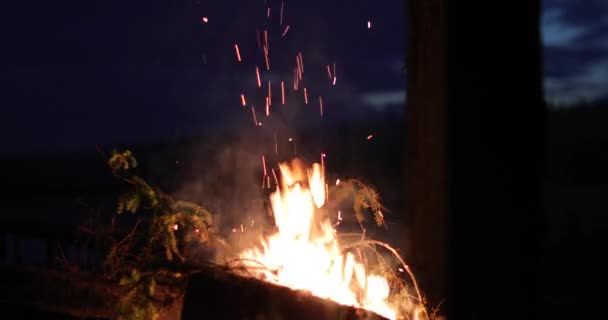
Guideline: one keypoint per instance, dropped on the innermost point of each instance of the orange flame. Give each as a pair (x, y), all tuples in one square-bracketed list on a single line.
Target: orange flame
[(304, 254)]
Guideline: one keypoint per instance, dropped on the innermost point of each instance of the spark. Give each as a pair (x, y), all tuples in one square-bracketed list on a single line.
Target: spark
[(335, 78), (255, 120), (252, 222), (301, 60), (321, 105), (268, 13), (328, 72), (285, 32), (369, 24), (281, 19), (197, 230), (323, 163), (267, 108), (299, 65), (243, 102), (264, 165), (204, 20), (295, 80), (257, 35), (276, 181), (276, 145), (290, 139), (297, 83), (268, 181), (266, 58), (269, 94), (238, 52), (401, 270), (175, 227), (260, 123), (339, 219), (337, 182), (257, 74), (305, 96), (242, 230), (266, 39), (282, 92), (370, 137)]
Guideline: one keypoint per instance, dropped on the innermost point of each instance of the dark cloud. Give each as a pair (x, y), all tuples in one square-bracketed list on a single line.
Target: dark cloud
[(587, 13), (563, 62), (576, 48), (596, 36)]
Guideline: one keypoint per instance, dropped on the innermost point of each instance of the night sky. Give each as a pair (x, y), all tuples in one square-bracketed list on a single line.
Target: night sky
[(80, 73), (575, 35)]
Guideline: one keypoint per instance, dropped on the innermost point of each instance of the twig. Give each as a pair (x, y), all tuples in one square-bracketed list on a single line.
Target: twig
[(396, 254)]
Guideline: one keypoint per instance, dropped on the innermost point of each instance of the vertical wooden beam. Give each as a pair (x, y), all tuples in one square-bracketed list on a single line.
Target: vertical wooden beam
[(495, 130), (2, 247), (426, 190)]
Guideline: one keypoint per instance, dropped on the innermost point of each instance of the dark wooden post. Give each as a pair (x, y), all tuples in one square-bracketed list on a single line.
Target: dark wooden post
[(474, 117), (495, 130), (426, 189), (2, 247)]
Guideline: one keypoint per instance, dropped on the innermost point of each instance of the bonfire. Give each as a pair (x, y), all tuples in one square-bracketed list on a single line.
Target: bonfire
[(304, 253)]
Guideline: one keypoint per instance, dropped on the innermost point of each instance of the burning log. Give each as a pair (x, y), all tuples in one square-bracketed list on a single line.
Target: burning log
[(223, 295)]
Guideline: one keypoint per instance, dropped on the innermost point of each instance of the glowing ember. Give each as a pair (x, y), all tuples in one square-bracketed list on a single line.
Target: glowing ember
[(204, 20), (321, 105), (266, 58), (238, 52), (269, 93), (301, 61), (255, 120), (267, 107), (304, 254), (243, 101), (257, 75)]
